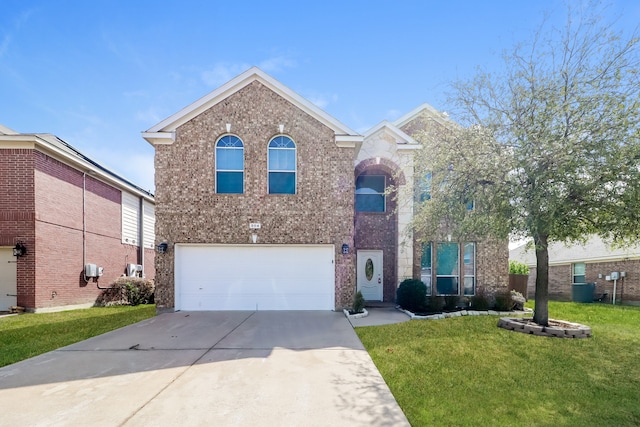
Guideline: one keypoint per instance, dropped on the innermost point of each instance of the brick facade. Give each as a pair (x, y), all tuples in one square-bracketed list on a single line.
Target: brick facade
[(492, 257), (41, 204), (189, 211), (561, 278)]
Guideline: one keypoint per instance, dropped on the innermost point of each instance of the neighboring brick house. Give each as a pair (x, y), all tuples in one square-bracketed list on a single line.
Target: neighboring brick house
[(265, 202), (593, 262), (64, 211)]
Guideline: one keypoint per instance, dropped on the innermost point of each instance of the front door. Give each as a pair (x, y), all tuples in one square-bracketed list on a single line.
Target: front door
[(369, 275), (8, 282)]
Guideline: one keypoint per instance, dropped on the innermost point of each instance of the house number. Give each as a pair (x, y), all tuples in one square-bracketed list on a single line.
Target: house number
[(254, 225)]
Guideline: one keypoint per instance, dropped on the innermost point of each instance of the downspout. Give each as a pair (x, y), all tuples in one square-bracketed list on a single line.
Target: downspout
[(84, 224), (141, 234)]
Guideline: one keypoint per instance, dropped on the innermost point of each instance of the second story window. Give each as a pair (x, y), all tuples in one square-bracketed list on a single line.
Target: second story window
[(282, 165), (230, 165), (370, 193)]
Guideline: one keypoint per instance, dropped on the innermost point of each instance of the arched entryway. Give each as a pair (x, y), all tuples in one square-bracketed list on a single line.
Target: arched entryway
[(376, 228)]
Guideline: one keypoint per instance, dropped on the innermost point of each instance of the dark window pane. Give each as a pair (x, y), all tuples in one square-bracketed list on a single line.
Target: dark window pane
[(425, 260), (369, 202), (469, 286), (447, 285), (282, 183), (425, 188), (229, 182), (373, 182), (579, 279), (447, 259)]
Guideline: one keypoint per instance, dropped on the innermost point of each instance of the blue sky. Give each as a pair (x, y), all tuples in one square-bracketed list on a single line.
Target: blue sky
[(97, 73)]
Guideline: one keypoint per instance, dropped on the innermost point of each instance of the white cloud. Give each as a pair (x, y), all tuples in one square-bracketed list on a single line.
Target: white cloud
[(150, 115), (322, 100), (392, 114), (277, 64), (222, 73)]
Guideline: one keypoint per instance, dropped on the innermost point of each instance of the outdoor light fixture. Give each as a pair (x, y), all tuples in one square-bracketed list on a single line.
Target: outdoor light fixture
[(162, 247), (345, 249), (254, 237), (19, 250)]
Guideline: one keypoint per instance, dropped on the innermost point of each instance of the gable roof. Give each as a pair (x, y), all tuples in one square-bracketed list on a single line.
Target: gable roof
[(403, 140), (164, 132), (60, 150), (440, 117), (594, 250)]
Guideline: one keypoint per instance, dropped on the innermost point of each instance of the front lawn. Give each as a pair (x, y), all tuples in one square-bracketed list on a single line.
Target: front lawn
[(466, 371), (29, 335)]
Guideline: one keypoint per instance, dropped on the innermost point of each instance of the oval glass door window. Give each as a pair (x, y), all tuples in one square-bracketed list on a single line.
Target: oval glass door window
[(368, 269)]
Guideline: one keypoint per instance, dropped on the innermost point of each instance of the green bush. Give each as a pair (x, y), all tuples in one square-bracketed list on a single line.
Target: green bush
[(128, 291), (517, 267), (358, 303), (411, 295), (450, 302), (503, 301), (435, 304), (480, 301)]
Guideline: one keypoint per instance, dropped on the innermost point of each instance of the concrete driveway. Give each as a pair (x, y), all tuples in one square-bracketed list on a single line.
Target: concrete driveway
[(262, 368)]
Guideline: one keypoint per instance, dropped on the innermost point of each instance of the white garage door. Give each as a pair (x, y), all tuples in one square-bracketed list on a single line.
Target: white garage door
[(254, 277)]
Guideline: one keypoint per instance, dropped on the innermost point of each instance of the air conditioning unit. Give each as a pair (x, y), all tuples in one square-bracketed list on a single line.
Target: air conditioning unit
[(90, 270), (134, 270), (131, 270)]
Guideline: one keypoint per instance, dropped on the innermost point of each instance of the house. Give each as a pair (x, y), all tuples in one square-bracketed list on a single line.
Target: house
[(68, 226), (594, 262), (266, 202)]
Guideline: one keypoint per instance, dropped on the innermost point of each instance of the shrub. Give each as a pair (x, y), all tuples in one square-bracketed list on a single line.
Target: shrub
[(450, 302), (127, 291), (479, 301), (517, 267), (358, 303), (503, 301), (435, 304), (411, 295), (518, 300)]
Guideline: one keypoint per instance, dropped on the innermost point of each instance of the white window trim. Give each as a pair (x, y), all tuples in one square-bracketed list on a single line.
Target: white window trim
[(215, 153), (295, 164)]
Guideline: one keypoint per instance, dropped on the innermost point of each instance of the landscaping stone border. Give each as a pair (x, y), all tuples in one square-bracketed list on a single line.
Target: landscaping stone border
[(461, 313), (557, 328), (364, 313)]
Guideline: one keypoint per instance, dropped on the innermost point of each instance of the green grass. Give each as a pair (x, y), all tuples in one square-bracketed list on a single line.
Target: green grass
[(28, 335), (468, 372)]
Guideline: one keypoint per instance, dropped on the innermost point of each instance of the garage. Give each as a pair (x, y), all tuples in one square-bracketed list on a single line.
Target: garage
[(254, 277)]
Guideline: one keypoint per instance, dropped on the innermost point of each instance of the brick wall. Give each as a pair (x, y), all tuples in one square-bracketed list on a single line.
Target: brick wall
[(17, 214), (58, 255), (492, 265), (492, 257), (378, 231), (189, 211), (561, 278)]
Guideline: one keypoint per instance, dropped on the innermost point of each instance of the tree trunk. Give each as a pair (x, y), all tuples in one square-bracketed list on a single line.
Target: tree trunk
[(541, 310)]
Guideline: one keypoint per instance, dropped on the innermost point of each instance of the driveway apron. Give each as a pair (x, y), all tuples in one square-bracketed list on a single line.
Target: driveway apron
[(274, 368)]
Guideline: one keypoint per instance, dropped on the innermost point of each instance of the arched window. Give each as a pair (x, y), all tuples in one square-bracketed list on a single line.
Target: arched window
[(282, 165), (230, 165)]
